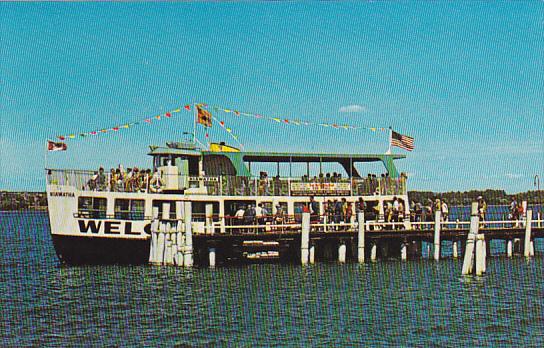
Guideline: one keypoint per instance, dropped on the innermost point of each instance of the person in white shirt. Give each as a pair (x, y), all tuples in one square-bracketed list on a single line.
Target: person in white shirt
[(445, 211)]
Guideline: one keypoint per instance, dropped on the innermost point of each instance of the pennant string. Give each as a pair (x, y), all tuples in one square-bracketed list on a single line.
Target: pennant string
[(188, 107), (228, 130)]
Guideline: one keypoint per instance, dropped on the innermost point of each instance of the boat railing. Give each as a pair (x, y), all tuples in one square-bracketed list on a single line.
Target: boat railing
[(226, 185)]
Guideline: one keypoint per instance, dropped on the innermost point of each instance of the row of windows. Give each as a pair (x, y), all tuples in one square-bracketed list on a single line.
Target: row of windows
[(126, 209), (132, 209)]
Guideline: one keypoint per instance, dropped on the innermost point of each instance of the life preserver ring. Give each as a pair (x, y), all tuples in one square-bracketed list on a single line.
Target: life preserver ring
[(155, 185)]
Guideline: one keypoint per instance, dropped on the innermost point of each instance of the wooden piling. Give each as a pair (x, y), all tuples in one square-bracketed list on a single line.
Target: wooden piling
[(455, 250), (480, 254), (305, 238), (468, 261), (188, 250), (154, 236), (180, 240), (211, 257), (311, 255), (361, 237), (527, 241), (160, 243), (404, 251), (509, 248), (437, 225), (209, 218), (168, 244), (342, 252), (373, 251)]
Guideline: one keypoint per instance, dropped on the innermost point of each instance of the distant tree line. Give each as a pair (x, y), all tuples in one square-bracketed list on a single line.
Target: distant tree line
[(23, 200), (495, 197), (38, 200)]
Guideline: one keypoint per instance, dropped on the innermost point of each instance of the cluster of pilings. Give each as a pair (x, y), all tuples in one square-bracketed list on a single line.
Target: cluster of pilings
[(171, 239)]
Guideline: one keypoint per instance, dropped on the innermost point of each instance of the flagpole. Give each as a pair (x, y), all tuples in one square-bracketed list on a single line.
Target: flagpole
[(46, 151), (390, 140), (195, 112)]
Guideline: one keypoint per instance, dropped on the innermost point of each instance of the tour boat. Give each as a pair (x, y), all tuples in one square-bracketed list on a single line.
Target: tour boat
[(107, 223)]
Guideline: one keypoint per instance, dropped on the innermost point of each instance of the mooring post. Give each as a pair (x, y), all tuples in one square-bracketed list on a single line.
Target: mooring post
[(211, 257), (167, 243), (188, 250), (471, 238), (404, 251), (342, 252), (480, 254), (209, 218), (160, 243), (154, 236), (509, 248), (527, 244), (374, 251), (455, 250), (437, 218), (311, 254), (180, 241), (361, 237), (305, 238)]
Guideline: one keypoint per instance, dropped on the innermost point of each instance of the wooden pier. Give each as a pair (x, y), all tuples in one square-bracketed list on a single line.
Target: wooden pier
[(174, 241)]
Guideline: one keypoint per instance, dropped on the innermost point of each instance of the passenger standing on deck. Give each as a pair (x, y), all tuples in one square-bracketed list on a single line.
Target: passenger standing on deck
[(128, 180), (337, 212), (277, 185), (348, 212), (401, 213), (101, 180), (360, 206), (513, 209), (482, 208), (314, 210), (249, 215), (113, 180), (395, 210), (259, 215), (445, 211)]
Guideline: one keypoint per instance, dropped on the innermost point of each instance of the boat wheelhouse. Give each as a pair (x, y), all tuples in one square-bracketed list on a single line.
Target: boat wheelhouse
[(104, 218)]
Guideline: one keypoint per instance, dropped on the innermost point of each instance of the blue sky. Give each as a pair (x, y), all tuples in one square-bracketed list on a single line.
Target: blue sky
[(465, 79)]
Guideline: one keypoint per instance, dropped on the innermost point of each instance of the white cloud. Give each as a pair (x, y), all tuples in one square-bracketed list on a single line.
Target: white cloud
[(353, 108), (514, 176)]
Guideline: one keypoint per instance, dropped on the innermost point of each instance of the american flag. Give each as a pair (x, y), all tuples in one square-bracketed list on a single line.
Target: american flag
[(402, 141)]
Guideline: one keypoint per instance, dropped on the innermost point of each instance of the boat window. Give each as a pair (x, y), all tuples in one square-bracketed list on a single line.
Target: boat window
[(91, 207), (231, 207), (129, 209), (199, 210), (268, 207), (299, 209), (159, 204), (283, 206)]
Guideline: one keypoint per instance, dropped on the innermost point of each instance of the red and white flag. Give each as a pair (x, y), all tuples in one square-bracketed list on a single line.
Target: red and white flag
[(53, 146), (402, 141)]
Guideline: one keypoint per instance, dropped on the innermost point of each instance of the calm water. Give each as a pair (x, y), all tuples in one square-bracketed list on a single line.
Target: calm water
[(418, 303)]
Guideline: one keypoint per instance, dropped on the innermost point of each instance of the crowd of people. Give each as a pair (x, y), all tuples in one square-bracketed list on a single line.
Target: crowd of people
[(129, 180)]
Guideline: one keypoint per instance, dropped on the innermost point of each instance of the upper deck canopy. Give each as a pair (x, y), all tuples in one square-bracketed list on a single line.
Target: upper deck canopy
[(239, 158)]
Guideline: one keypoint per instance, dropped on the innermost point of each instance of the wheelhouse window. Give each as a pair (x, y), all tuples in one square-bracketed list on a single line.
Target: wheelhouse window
[(91, 207), (129, 209)]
